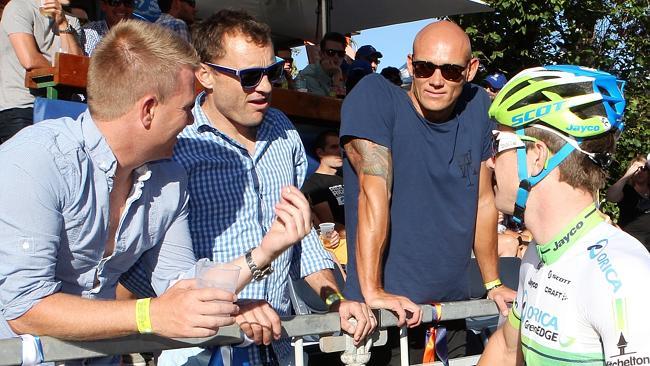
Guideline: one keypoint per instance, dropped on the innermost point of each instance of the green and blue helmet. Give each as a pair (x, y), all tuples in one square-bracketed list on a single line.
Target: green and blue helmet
[(572, 102)]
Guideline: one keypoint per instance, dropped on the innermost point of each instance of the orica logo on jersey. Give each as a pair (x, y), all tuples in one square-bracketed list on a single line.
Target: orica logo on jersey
[(597, 253), (546, 326), (521, 118)]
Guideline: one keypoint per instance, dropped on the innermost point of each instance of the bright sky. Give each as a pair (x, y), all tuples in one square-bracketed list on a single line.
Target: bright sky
[(393, 41)]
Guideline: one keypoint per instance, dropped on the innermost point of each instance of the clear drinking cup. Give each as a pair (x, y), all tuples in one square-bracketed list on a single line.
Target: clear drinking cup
[(223, 276), (45, 13), (326, 230)]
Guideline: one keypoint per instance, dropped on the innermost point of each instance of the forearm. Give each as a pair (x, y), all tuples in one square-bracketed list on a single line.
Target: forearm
[(71, 317), (615, 191), (70, 44), (497, 351), (323, 283), (485, 236), (372, 235)]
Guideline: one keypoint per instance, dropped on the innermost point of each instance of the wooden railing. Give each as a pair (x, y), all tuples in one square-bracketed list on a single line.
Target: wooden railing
[(69, 74)]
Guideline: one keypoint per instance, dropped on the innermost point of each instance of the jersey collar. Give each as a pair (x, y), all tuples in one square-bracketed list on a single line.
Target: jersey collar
[(551, 251)]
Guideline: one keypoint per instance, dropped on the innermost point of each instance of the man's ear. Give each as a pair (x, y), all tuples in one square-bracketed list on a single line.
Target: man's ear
[(319, 153), (538, 156), (409, 63), (148, 106), (473, 69), (203, 76)]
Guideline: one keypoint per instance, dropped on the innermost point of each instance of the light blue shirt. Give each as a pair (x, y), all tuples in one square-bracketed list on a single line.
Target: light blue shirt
[(54, 213)]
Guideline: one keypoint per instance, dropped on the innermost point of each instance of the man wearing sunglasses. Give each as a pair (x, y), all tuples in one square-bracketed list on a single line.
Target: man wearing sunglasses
[(114, 11), (325, 77), (177, 15), (239, 154), (418, 193), (28, 40)]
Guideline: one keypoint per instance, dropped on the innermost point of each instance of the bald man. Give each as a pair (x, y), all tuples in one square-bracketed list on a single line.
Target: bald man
[(418, 193)]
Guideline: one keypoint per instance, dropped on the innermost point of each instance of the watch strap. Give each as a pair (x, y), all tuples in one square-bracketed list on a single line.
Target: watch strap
[(258, 273)]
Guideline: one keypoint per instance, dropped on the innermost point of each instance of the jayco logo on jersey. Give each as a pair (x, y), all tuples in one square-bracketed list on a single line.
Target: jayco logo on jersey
[(521, 118), (583, 129), (597, 253), (566, 238)]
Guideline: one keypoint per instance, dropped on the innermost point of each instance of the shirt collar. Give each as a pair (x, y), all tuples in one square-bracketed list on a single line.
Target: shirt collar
[(95, 144), (202, 122), (552, 250)]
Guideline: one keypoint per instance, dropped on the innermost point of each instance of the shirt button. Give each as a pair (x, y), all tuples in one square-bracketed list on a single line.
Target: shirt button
[(102, 165), (25, 245)]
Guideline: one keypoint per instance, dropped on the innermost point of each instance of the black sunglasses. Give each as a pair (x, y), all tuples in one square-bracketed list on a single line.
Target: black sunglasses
[(330, 52), (424, 69), (252, 77), (127, 3)]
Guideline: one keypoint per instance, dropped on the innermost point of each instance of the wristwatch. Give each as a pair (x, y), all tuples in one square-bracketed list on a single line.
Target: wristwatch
[(258, 273), (69, 30)]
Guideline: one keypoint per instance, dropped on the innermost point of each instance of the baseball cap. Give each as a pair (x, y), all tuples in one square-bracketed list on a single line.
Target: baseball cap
[(496, 80), (368, 51)]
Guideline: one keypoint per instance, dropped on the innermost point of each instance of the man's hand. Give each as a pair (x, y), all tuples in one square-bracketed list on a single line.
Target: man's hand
[(366, 321), (292, 223), (53, 7), (259, 321), (407, 312), (185, 310), (502, 296), (634, 168)]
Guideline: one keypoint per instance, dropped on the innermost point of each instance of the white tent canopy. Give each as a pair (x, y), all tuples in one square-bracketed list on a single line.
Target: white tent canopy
[(298, 19)]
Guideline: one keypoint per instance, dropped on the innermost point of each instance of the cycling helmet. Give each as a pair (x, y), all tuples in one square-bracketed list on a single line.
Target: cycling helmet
[(572, 102)]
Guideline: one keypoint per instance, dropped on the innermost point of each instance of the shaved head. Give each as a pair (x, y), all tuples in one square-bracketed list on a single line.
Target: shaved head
[(443, 35), (440, 46)]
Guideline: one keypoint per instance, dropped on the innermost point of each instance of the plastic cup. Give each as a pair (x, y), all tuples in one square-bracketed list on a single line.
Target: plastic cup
[(43, 12), (326, 229), (218, 275)]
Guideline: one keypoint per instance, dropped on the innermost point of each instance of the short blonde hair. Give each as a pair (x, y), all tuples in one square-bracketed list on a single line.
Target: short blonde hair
[(133, 59)]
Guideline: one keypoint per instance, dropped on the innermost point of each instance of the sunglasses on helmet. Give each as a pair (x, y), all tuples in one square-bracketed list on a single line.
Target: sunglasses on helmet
[(424, 69), (330, 52), (115, 3), (502, 141), (252, 77)]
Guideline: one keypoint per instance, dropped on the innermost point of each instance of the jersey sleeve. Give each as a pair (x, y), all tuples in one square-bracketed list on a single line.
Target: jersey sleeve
[(368, 111)]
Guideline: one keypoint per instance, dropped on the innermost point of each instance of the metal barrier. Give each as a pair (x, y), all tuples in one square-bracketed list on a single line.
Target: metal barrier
[(293, 327)]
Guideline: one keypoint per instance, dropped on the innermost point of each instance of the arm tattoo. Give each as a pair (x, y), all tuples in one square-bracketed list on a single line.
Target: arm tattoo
[(371, 159)]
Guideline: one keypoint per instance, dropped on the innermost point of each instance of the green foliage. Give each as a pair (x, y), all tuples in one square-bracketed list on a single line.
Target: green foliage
[(610, 35)]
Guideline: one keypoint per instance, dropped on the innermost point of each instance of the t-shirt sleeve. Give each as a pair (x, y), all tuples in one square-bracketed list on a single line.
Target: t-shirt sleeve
[(17, 18), (368, 112)]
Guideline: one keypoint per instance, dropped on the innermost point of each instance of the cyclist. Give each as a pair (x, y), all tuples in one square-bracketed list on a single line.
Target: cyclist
[(583, 292)]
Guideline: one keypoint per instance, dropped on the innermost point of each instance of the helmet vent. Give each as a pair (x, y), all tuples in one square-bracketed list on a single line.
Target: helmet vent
[(592, 109)]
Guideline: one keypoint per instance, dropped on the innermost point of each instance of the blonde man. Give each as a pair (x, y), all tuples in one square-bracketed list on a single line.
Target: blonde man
[(82, 200)]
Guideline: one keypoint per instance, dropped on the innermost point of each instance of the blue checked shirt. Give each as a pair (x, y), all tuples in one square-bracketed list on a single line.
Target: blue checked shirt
[(176, 25), (93, 32), (232, 195)]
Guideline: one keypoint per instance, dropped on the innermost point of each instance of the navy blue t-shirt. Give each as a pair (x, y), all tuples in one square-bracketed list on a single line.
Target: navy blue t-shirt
[(435, 187)]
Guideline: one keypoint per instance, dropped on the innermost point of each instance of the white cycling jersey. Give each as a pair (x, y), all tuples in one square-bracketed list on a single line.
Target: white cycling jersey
[(584, 297)]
